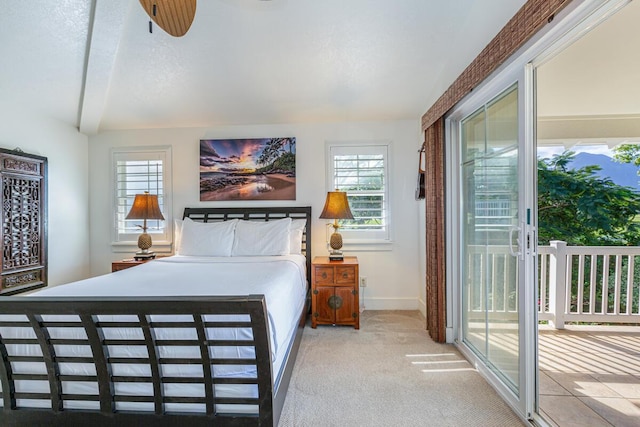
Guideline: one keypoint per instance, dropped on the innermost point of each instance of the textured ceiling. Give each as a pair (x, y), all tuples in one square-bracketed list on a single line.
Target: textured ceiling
[(95, 65), (42, 53)]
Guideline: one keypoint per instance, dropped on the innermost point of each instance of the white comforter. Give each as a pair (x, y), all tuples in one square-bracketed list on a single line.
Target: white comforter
[(280, 278)]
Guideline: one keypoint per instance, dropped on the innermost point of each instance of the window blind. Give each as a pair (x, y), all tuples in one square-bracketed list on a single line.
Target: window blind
[(135, 177), (362, 177), (361, 170)]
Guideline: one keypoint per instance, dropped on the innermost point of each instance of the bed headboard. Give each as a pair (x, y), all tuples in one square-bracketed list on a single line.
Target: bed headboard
[(259, 214)]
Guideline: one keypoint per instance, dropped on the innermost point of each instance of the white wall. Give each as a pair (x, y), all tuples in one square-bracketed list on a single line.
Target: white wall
[(67, 153), (394, 278)]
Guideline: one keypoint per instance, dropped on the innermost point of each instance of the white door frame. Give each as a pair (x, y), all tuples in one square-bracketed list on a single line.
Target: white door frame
[(574, 21), (526, 202)]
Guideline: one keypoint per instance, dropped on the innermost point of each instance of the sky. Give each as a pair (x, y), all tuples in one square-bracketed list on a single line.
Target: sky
[(230, 154), (546, 151)]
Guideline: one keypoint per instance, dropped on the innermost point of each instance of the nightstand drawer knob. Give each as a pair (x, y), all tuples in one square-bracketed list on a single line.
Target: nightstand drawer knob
[(345, 275), (324, 275), (315, 292), (335, 302)]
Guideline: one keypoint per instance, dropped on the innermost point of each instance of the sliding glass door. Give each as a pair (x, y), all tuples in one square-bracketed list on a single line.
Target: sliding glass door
[(491, 259), (493, 244)]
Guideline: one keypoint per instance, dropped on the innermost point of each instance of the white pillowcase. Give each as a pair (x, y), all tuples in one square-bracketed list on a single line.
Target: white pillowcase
[(258, 238), (295, 235), (206, 239)]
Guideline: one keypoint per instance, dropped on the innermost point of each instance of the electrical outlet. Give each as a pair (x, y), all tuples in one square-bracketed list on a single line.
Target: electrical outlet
[(363, 282)]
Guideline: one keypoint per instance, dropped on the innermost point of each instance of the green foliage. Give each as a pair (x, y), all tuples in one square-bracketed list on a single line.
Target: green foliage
[(577, 206), (278, 156), (627, 153), (275, 148)]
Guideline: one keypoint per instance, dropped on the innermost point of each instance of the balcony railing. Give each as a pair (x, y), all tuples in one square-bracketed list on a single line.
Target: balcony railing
[(596, 284)]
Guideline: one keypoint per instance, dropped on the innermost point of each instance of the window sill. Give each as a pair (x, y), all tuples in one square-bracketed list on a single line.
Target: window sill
[(368, 246)]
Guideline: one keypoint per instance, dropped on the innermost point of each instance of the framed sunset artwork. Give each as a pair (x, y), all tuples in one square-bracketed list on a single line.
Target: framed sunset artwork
[(248, 169)]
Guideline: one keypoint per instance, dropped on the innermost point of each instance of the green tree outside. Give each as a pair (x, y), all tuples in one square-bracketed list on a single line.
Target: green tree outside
[(581, 208)]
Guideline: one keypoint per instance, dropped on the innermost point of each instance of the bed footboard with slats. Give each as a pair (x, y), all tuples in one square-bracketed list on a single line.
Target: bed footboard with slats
[(131, 361)]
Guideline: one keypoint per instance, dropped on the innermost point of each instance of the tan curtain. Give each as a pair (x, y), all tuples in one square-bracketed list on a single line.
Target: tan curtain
[(435, 223)]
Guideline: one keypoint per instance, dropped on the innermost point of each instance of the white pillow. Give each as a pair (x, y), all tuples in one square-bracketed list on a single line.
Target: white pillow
[(177, 234), (206, 239), (295, 235), (262, 238)]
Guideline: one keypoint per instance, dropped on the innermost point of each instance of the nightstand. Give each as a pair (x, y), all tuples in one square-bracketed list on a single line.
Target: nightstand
[(125, 263), (334, 292)]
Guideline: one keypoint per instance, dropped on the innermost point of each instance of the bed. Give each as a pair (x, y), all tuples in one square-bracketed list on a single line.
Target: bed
[(196, 341)]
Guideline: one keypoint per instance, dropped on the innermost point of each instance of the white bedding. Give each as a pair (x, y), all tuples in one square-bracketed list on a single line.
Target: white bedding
[(280, 278)]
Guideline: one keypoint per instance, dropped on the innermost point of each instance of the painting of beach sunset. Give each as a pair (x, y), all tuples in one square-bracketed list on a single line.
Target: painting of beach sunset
[(248, 169)]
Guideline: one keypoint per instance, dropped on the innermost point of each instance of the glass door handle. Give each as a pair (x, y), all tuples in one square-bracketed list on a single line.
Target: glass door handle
[(511, 249)]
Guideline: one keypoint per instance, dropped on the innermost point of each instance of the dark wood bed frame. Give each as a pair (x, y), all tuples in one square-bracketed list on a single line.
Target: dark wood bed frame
[(34, 314)]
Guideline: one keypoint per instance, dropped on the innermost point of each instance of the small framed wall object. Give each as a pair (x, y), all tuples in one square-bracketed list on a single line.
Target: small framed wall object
[(24, 221), (248, 169)]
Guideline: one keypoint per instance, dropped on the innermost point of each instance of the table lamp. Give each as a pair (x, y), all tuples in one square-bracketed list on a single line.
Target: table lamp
[(336, 207), (145, 206)]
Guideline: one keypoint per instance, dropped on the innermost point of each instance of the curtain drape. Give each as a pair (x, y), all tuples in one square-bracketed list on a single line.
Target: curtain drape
[(435, 216)]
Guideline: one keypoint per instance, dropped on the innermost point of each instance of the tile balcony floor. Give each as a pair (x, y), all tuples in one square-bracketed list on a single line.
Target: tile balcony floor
[(590, 375)]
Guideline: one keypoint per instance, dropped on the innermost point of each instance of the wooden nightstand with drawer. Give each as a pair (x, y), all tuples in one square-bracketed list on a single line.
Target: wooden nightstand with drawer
[(124, 264), (334, 292)]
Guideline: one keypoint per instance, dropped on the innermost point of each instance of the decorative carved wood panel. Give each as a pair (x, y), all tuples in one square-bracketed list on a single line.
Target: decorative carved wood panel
[(24, 231)]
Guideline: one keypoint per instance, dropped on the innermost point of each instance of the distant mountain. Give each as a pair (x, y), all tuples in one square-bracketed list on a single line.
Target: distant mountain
[(620, 173)]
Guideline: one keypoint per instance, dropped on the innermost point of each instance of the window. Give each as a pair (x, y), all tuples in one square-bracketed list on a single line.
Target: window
[(361, 170), (136, 171)]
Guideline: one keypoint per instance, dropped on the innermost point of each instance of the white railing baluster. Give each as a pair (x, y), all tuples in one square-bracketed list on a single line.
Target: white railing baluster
[(580, 284), (483, 282), (593, 283), (617, 285), (542, 293), (605, 284), (505, 280), (630, 262), (494, 282), (568, 292)]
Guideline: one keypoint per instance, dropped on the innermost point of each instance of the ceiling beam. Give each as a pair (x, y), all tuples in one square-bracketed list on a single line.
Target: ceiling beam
[(609, 129), (105, 31)]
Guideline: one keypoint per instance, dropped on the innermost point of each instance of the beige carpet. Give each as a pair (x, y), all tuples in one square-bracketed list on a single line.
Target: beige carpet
[(389, 373)]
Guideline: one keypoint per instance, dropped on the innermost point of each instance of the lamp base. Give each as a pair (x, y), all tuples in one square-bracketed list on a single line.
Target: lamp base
[(143, 256), (336, 256)]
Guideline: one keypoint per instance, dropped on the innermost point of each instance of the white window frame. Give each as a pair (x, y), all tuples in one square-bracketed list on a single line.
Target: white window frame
[(128, 242), (358, 240)]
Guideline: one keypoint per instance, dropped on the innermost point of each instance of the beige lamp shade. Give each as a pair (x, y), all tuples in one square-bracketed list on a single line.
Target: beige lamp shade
[(336, 206), (145, 206)]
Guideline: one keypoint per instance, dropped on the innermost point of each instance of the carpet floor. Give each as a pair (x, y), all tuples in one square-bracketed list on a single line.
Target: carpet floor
[(389, 373)]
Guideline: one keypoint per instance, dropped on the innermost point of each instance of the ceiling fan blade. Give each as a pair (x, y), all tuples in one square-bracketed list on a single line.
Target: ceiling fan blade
[(173, 16)]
